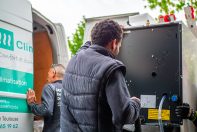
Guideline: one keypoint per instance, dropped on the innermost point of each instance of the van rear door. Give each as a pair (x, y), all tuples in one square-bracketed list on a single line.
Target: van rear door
[(16, 65)]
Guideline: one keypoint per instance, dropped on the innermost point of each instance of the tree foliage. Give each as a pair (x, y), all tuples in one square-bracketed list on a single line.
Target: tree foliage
[(171, 6), (77, 38)]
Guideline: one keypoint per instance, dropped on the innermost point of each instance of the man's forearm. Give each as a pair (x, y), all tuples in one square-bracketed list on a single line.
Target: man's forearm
[(39, 109), (124, 109), (193, 117), (133, 111)]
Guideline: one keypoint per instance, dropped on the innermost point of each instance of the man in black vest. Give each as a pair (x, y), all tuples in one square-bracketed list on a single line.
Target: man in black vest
[(51, 95), (95, 97)]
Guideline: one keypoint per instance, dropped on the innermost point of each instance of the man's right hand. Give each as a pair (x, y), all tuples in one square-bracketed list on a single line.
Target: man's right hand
[(31, 98), (136, 99)]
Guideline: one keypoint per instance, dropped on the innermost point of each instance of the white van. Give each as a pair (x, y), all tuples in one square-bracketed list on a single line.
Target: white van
[(29, 44)]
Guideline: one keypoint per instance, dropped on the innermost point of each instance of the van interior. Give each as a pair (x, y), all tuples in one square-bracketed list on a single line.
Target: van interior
[(42, 58)]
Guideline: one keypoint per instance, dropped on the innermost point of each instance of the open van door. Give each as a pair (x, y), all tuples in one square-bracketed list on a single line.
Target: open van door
[(29, 44), (16, 65)]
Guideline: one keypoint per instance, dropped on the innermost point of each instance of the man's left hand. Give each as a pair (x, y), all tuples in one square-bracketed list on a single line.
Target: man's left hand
[(31, 98)]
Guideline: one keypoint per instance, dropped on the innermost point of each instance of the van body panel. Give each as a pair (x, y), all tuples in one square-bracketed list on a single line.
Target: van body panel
[(16, 65), (17, 13), (24, 58)]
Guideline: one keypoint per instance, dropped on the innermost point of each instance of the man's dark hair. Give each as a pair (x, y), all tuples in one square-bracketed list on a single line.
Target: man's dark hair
[(105, 31)]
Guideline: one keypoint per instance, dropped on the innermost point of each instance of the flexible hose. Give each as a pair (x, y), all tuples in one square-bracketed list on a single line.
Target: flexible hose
[(159, 114)]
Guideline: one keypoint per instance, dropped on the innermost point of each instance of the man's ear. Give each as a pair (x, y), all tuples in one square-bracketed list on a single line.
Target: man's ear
[(114, 44), (54, 74)]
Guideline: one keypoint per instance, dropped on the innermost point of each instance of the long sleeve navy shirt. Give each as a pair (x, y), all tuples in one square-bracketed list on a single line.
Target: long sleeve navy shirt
[(119, 100)]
